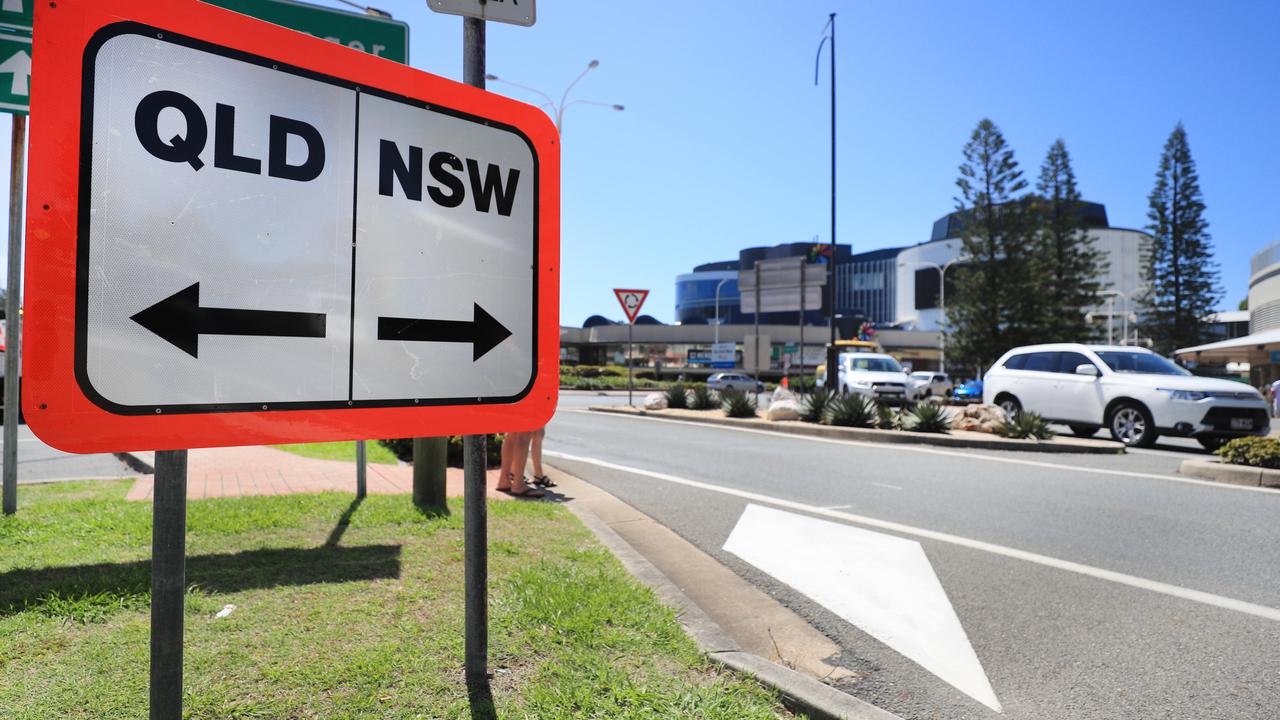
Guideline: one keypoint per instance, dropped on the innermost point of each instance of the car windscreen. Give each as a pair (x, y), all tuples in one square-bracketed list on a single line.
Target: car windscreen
[(1140, 363), (875, 365)]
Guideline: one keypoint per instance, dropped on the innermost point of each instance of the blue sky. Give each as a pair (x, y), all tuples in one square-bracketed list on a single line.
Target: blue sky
[(724, 140)]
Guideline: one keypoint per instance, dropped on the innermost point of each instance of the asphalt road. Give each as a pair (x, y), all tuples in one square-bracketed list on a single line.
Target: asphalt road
[(38, 462), (1088, 586)]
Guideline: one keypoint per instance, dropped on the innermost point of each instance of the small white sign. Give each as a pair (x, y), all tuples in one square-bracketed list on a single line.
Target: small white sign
[(724, 352), (516, 12), (262, 239)]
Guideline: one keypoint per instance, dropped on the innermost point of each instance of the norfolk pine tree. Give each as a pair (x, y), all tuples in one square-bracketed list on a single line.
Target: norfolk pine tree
[(990, 310), (1181, 276), (1068, 264)]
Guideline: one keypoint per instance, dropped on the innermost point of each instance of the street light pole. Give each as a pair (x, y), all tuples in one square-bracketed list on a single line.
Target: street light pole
[(942, 303), (831, 264), (718, 286), (557, 109)]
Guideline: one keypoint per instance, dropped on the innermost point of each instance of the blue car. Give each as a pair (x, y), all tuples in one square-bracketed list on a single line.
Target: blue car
[(970, 391)]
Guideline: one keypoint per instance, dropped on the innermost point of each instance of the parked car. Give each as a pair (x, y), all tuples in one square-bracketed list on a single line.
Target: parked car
[(968, 392), (734, 381), (876, 376), (931, 383), (1134, 393)]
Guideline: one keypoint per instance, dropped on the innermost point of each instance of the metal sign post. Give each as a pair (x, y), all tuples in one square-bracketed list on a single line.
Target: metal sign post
[(168, 582), (362, 468), (475, 530), (13, 316)]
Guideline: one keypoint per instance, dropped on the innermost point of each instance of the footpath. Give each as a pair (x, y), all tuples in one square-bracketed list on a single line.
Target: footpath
[(259, 470)]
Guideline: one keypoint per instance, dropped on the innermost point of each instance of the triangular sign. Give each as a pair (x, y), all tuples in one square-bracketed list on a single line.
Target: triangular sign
[(631, 300)]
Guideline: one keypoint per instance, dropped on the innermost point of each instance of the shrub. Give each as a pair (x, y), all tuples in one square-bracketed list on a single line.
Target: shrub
[(851, 411), (402, 448), (1263, 452), (813, 408), (1025, 426), (927, 418), (702, 399), (887, 418), (737, 404), (677, 397)]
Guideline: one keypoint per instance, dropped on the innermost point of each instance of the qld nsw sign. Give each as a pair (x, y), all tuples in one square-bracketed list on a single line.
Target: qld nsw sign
[(267, 237)]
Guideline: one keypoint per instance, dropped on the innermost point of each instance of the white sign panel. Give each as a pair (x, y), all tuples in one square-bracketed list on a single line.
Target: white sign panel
[(724, 352), (516, 12), (260, 238)]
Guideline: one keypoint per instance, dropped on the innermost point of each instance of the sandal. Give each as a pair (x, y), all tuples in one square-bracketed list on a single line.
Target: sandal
[(528, 492), (543, 481)]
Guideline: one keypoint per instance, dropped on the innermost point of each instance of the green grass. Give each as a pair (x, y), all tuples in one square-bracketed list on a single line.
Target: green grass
[(340, 451), (344, 609)]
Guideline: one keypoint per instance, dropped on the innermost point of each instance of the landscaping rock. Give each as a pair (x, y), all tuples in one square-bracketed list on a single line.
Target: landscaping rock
[(979, 418), (655, 401), (786, 409)]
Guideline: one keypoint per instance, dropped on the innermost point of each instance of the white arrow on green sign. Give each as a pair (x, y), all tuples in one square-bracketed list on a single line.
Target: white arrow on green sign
[(15, 73), (16, 14)]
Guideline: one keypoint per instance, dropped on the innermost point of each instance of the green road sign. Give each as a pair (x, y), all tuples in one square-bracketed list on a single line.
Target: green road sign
[(16, 13), (375, 35), (15, 72)]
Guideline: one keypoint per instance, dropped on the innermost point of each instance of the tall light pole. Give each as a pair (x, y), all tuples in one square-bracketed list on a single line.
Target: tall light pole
[(718, 286), (557, 109), (831, 265), (942, 302)]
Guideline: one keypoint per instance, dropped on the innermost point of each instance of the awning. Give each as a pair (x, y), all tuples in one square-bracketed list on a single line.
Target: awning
[(1255, 349)]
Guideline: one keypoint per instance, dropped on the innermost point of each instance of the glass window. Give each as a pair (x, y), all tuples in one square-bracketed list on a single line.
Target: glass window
[(1070, 360), (874, 364), (1139, 363), (1043, 362), (1017, 362)]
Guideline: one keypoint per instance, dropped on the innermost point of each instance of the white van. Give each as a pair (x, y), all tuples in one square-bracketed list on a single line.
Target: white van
[(1133, 392)]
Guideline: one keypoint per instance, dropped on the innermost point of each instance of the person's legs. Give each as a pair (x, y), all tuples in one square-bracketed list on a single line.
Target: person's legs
[(519, 455), (535, 452), (509, 442)]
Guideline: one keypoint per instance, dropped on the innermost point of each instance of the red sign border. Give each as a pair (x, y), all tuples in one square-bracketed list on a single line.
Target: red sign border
[(55, 404), (631, 317)]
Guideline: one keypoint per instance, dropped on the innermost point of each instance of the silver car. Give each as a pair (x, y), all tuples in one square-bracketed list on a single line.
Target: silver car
[(734, 381)]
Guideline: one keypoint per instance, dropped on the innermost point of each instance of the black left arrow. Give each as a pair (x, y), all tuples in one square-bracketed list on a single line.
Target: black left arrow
[(180, 320)]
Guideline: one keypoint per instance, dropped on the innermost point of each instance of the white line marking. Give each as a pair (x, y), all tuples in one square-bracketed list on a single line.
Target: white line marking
[(905, 447), (838, 507), (881, 583), (1156, 586), (886, 485)]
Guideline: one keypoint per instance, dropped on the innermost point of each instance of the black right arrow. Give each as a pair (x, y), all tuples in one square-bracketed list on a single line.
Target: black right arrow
[(179, 319), (483, 332)]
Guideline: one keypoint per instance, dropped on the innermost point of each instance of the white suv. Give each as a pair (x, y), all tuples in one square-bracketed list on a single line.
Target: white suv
[(875, 376), (1135, 393)]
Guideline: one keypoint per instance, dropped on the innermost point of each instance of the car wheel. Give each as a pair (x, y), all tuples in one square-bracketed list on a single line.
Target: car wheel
[(1211, 442), (1131, 424), (1009, 404), (1083, 431)]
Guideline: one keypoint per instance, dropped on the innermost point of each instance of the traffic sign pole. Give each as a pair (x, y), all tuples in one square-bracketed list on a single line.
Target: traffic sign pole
[(168, 582), (475, 514), (361, 468), (13, 315)]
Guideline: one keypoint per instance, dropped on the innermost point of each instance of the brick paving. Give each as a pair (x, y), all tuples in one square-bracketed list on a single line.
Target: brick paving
[(259, 470)]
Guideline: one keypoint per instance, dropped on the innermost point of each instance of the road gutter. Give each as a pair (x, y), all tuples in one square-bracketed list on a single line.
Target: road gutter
[(801, 691)]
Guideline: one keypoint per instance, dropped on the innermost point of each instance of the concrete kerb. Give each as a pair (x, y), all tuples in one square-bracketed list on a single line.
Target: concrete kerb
[(1217, 471), (798, 691), (958, 439)]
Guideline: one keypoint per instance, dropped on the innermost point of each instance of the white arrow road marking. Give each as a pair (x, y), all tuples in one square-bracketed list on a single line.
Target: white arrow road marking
[(880, 583), (19, 64), (12, 6), (1199, 596)]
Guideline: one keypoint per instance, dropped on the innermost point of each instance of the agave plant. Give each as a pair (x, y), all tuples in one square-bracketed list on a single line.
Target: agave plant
[(677, 397), (851, 411), (738, 404), (887, 418), (814, 406), (1025, 426), (927, 418), (702, 399)]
